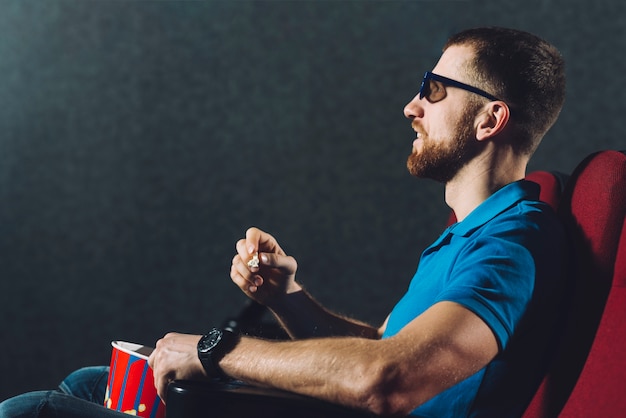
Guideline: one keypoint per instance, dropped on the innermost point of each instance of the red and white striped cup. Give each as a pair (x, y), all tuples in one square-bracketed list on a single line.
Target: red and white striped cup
[(130, 388)]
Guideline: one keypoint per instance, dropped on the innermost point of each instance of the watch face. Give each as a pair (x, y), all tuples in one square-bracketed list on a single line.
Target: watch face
[(209, 341)]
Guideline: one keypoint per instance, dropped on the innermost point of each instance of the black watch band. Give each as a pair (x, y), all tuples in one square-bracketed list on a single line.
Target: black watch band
[(214, 345)]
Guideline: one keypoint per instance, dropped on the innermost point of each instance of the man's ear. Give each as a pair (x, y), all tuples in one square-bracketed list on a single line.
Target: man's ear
[(492, 120)]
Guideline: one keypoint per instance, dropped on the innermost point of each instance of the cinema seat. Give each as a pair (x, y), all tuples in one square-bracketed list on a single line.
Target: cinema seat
[(588, 376)]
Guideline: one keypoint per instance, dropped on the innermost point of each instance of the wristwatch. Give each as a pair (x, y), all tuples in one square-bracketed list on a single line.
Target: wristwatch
[(214, 345)]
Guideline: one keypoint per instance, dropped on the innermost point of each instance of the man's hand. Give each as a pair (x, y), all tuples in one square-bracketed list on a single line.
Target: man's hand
[(275, 275), (175, 357)]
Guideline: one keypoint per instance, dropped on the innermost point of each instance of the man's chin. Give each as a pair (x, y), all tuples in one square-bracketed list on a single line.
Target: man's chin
[(419, 170), (415, 166)]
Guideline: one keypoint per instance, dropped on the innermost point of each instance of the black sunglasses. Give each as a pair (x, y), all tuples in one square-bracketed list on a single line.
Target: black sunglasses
[(434, 90)]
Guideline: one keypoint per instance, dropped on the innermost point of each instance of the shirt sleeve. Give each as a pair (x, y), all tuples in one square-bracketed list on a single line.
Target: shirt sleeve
[(494, 277)]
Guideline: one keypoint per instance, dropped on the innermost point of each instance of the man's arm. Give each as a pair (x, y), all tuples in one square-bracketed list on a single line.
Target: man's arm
[(303, 317), (441, 347), (272, 283), (436, 350)]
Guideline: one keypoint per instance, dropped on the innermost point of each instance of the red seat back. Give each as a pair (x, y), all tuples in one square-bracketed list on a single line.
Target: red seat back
[(551, 183), (588, 376)]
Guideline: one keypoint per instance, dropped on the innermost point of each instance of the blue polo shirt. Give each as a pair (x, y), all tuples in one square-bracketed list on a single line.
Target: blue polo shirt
[(503, 262)]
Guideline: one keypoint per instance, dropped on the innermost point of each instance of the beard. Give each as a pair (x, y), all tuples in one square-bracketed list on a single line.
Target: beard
[(442, 160)]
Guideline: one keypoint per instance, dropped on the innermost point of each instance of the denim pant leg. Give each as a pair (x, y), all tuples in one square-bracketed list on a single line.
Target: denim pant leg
[(81, 395), (88, 383), (54, 404)]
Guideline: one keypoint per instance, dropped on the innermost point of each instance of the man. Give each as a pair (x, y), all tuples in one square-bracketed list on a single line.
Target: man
[(470, 336)]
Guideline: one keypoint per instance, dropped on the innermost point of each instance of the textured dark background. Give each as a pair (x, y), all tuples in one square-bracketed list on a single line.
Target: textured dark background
[(139, 139)]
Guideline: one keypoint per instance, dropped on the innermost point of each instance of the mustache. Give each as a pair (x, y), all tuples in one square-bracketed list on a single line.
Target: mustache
[(418, 128)]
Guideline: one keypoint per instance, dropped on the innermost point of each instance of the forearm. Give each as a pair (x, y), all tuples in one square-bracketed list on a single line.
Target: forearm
[(303, 317), (329, 369), (271, 282)]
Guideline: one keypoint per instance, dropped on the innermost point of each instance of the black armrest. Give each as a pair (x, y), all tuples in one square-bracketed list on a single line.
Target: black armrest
[(215, 399)]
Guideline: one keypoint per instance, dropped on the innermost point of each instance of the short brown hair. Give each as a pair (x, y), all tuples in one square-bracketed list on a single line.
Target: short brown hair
[(523, 70)]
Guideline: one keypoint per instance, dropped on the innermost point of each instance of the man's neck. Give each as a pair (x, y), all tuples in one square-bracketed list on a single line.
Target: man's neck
[(481, 178)]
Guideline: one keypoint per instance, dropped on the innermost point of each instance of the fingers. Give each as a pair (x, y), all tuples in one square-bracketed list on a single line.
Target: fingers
[(269, 264), (162, 377), (243, 273), (269, 253), (252, 241), (260, 241), (243, 249), (175, 357), (161, 382), (243, 277)]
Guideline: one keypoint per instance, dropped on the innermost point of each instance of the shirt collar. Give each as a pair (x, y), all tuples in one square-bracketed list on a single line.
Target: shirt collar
[(503, 199)]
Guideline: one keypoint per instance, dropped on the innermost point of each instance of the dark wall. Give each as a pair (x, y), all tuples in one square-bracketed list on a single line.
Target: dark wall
[(139, 139)]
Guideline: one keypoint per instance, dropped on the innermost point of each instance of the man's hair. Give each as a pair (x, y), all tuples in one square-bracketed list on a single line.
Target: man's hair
[(524, 71)]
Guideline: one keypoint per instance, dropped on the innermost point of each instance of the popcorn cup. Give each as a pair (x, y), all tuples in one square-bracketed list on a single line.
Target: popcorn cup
[(130, 387)]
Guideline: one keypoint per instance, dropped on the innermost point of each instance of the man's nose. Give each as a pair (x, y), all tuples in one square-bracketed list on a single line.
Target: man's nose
[(414, 109)]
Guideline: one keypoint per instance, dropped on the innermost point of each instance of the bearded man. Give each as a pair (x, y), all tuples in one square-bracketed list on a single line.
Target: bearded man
[(470, 336)]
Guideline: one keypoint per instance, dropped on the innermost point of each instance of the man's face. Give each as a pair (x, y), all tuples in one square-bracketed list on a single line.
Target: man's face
[(440, 159), (446, 138)]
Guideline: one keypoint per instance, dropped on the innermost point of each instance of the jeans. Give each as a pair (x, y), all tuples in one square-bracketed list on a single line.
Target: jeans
[(80, 395)]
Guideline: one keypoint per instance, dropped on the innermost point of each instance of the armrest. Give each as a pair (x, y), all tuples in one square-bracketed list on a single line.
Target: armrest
[(217, 399)]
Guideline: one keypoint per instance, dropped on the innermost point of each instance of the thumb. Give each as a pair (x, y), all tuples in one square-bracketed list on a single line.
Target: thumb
[(284, 263)]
